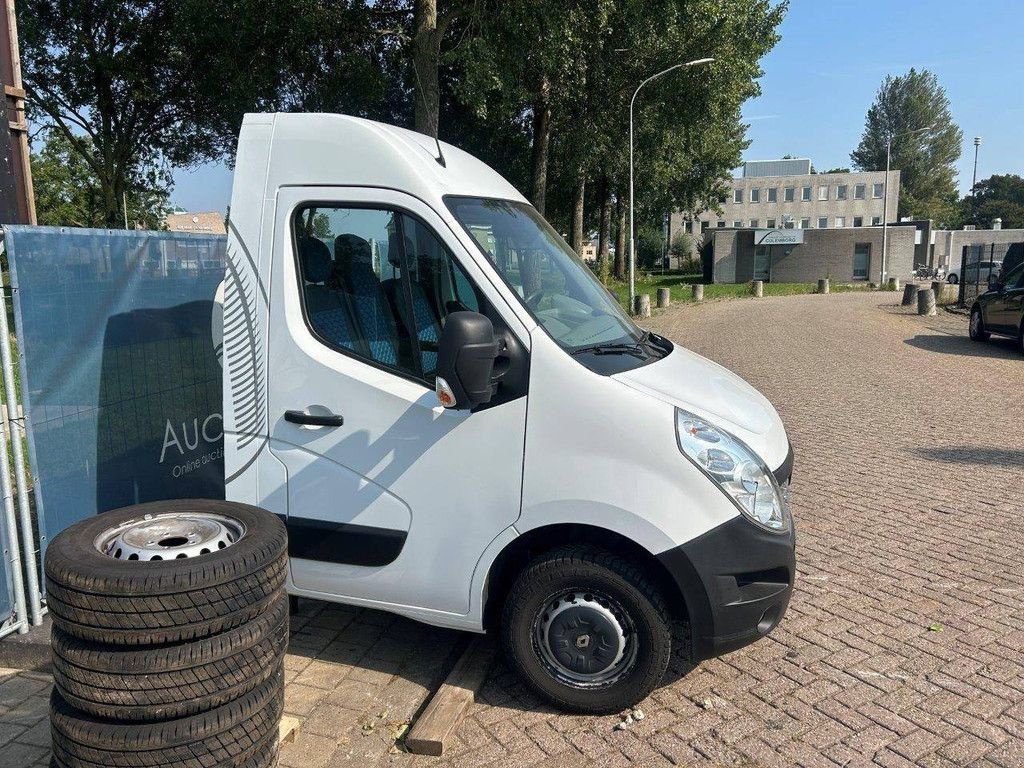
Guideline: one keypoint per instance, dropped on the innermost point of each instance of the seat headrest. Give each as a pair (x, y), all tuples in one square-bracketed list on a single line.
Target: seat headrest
[(351, 249), (316, 259)]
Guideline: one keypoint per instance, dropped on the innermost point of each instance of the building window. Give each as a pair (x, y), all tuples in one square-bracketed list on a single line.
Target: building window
[(755, 195), (876, 221), (737, 195), (840, 222), (704, 225), (823, 192), (841, 192), (770, 223), (754, 223), (723, 198), (823, 222), (737, 224), (858, 221), (721, 225), (876, 191), (773, 194), (789, 194), (861, 261), (858, 191), (805, 223), (805, 194)]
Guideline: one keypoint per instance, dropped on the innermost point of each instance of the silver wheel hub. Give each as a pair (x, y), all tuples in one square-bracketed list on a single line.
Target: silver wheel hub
[(584, 639), (170, 536)]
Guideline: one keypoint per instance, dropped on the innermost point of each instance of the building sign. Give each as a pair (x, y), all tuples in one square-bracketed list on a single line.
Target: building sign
[(778, 236)]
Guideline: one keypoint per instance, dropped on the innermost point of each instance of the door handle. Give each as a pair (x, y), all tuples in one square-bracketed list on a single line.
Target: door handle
[(314, 420)]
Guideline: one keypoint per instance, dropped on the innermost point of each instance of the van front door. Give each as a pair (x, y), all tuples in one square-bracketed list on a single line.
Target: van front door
[(391, 498)]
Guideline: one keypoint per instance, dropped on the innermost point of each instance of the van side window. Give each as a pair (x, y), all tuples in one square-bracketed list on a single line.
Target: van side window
[(379, 284)]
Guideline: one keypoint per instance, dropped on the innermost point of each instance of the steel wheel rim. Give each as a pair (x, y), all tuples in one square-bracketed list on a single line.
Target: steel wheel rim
[(584, 638), (169, 536)]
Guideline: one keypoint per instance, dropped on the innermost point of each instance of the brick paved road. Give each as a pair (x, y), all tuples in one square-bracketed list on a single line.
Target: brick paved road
[(908, 518)]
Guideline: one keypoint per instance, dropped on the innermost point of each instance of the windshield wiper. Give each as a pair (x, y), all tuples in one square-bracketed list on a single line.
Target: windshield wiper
[(612, 349)]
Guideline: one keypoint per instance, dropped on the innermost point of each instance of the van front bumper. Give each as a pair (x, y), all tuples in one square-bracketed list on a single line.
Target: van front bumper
[(736, 579)]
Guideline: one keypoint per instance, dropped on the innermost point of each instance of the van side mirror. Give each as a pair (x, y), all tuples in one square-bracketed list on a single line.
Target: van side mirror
[(465, 361)]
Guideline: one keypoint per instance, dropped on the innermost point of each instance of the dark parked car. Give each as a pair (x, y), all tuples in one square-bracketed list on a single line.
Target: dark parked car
[(1000, 309)]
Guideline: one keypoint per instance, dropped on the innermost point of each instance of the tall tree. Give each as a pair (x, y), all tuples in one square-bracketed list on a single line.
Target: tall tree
[(912, 111), (997, 197), (132, 84)]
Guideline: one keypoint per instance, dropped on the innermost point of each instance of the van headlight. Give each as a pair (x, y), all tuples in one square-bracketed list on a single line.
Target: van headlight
[(737, 470)]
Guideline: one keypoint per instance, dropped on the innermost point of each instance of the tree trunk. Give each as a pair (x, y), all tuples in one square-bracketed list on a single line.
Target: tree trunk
[(577, 213), (604, 235), (620, 238), (541, 140), (426, 54)]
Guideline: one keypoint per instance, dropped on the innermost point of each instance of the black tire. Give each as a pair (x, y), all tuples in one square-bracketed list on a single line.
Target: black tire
[(952, 280), (619, 586), (976, 329), (98, 598), (1020, 337), (159, 683), (265, 757), (241, 733)]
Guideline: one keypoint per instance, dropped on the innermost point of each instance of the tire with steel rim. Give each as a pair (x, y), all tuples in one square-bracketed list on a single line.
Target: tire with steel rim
[(587, 630), (165, 572), (977, 326)]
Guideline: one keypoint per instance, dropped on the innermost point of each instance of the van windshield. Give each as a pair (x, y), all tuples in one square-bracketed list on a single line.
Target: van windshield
[(557, 288)]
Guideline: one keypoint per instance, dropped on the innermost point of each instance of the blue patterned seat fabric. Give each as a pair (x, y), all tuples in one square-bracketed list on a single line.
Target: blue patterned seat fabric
[(326, 308), (353, 265)]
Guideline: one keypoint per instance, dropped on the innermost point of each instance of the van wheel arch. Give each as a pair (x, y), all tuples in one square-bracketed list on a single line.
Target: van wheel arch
[(519, 552)]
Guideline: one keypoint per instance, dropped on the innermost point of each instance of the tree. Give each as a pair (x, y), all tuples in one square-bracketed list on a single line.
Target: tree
[(136, 84), (999, 197), (682, 246), (905, 104), (69, 193), (837, 170)]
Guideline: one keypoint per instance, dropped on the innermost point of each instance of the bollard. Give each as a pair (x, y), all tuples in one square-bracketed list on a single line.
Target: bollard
[(664, 298), (642, 305), (926, 302), (698, 292), (823, 285), (909, 295), (894, 284), (938, 287), (757, 288)]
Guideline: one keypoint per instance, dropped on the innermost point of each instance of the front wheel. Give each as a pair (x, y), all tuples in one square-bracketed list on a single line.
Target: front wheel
[(952, 279), (587, 630), (977, 327)]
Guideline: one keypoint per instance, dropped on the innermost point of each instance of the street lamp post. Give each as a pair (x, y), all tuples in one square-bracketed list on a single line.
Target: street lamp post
[(974, 180), (632, 238), (885, 194)]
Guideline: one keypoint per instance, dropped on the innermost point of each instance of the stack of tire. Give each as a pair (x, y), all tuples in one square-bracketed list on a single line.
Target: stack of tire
[(170, 625)]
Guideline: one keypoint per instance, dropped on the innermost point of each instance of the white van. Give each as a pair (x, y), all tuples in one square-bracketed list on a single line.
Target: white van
[(460, 425)]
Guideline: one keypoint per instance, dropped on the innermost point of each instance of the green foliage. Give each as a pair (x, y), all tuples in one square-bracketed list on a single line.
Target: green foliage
[(679, 283), (905, 104), (837, 170), (996, 197), (69, 194), (682, 246)]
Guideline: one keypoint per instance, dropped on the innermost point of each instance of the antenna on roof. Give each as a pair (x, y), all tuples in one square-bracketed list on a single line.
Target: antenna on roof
[(419, 88)]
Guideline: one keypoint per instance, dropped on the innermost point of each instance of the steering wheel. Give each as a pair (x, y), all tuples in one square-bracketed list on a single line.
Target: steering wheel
[(534, 298)]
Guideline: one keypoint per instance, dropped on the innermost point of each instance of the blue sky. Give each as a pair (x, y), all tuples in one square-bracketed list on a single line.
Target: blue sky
[(823, 75)]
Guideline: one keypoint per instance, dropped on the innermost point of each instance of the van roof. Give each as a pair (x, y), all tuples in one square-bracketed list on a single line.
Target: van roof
[(339, 150)]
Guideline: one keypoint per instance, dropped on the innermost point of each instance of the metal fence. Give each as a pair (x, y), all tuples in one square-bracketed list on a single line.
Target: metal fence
[(112, 373), (980, 262)]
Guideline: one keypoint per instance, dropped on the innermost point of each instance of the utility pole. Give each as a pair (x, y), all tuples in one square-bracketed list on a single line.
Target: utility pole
[(17, 203), (974, 181)]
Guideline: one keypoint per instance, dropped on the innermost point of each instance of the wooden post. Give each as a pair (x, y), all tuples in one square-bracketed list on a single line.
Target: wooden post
[(926, 302), (642, 305), (757, 288), (909, 295), (664, 298), (894, 283), (823, 285), (17, 201), (698, 292)]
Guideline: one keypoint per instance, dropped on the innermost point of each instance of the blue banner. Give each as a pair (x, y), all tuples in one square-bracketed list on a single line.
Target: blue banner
[(120, 376)]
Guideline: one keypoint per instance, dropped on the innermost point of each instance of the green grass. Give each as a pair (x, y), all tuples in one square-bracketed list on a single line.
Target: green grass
[(679, 286)]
